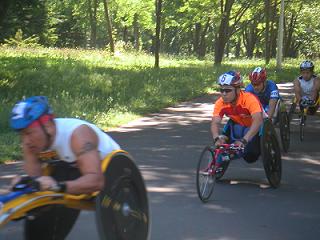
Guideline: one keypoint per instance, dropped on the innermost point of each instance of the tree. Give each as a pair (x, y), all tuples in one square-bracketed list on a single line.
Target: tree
[(157, 37), (225, 29), (93, 5), (109, 25)]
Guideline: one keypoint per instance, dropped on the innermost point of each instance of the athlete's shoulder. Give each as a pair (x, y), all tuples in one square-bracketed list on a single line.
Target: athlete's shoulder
[(249, 88), (272, 83)]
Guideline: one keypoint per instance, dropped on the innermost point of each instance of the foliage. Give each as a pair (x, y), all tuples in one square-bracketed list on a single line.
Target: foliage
[(19, 41), (104, 89)]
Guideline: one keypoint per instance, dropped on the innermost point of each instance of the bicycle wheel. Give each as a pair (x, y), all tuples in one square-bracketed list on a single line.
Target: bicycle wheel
[(206, 177), (271, 154), (292, 110), (302, 125), (122, 210), (284, 125)]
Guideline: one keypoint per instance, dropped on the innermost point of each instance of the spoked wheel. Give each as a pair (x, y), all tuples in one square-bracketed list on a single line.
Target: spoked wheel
[(206, 177), (122, 211), (284, 125), (292, 110), (302, 125), (271, 154)]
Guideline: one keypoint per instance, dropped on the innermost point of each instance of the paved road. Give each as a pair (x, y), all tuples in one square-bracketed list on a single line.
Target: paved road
[(166, 147)]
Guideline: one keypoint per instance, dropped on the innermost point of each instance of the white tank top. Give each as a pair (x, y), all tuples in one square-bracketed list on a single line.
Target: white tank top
[(306, 86), (64, 129)]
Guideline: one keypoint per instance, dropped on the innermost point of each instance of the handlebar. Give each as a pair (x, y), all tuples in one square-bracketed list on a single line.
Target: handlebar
[(230, 147), (307, 102)]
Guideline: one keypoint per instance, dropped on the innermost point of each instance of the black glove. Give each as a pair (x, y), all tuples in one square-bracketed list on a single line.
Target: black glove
[(26, 181)]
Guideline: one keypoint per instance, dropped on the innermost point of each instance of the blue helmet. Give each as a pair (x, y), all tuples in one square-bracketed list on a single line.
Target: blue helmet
[(29, 110), (230, 78)]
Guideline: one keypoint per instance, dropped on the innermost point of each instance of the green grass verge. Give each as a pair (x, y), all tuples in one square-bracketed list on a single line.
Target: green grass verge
[(106, 90)]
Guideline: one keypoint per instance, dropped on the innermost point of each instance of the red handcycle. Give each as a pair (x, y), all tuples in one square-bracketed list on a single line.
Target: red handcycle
[(214, 161)]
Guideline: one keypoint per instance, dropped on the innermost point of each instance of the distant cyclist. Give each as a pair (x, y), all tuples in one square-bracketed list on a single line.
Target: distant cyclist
[(75, 147), (307, 87), (266, 90), (245, 113)]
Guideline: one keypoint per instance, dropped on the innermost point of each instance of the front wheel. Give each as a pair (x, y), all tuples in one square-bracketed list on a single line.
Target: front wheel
[(206, 177), (284, 130), (302, 125), (271, 154), (122, 210)]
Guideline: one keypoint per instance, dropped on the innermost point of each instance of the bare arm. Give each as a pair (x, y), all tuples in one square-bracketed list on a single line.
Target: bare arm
[(257, 121), (31, 165), (84, 144), (215, 126), (316, 89), (297, 90), (272, 107)]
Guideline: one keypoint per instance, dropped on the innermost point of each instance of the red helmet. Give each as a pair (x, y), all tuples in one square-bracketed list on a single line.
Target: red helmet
[(258, 75)]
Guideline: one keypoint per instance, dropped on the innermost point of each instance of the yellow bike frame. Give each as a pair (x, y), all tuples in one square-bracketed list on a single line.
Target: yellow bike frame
[(19, 207)]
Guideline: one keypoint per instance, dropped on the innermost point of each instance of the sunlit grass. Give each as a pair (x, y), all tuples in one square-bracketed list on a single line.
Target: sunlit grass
[(105, 89)]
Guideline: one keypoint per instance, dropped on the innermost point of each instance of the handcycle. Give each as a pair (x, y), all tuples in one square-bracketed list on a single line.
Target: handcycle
[(304, 105), (209, 169), (282, 118), (121, 208)]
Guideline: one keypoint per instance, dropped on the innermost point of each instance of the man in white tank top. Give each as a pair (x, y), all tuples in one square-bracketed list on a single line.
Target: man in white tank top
[(78, 145), (307, 85)]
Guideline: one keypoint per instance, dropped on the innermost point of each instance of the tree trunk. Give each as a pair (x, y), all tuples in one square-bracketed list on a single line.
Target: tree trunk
[(238, 48), (109, 25), (289, 50), (273, 30), (136, 32), (157, 38), (196, 41), (267, 7), (93, 22), (202, 44), (125, 34), (223, 31), (3, 12)]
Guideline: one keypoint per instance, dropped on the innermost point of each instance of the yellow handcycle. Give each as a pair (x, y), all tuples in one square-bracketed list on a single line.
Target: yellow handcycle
[(305, 105), (121, 208)]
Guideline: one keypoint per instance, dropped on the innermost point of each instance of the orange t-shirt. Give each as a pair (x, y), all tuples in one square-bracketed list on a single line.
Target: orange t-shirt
[(247, 104)]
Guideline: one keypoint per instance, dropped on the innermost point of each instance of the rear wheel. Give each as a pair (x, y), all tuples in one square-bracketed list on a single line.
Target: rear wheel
[(122, 210), (206, 177), (284, 130), (302, 125), (271, 154)]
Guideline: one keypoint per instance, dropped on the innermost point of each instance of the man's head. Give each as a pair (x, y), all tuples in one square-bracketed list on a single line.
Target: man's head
[(32, 118), (230, 83), (257, 78), (306, 70)]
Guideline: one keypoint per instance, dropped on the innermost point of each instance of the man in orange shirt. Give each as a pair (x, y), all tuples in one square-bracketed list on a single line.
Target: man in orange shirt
[(245, 113)]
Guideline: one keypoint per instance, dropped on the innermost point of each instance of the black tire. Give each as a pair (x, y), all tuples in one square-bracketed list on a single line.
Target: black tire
[(50, 223), (122, 210), (206, 177), (271, 154), (291, 111), (301, 126), (284, 125)]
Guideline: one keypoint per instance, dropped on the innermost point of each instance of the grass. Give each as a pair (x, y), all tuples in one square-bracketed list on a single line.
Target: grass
[(106, 90)]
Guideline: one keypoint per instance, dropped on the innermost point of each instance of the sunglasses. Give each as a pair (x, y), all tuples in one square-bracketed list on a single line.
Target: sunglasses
[(226, 90)]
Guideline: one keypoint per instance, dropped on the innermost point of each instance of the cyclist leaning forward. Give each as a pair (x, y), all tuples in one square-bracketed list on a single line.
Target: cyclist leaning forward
[(245, 113), (307, 87), (266, 90), (77, 148)]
